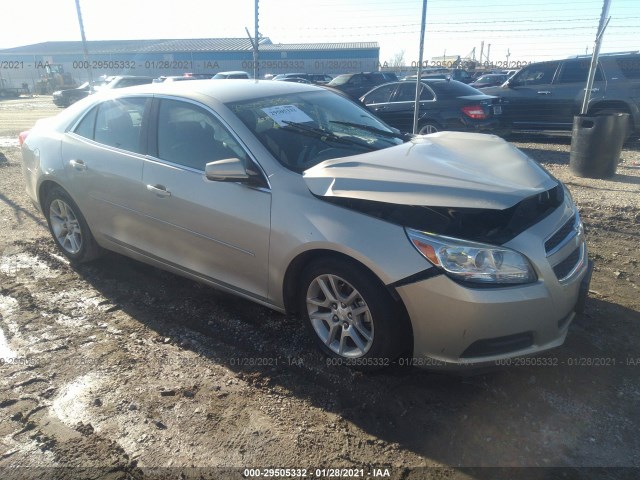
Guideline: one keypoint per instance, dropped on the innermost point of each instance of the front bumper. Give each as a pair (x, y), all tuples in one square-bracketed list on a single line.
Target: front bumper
[(456, 327)]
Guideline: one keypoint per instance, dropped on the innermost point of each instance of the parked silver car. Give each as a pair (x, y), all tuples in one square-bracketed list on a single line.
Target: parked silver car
[(442, 250)]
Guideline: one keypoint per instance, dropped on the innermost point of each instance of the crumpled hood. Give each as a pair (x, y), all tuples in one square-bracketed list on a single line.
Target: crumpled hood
[(445, 169)]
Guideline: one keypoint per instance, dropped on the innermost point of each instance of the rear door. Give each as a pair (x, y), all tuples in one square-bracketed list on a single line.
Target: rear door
[(568, 89), (216, 230), (395, 103), (378, 102), (103, 157)]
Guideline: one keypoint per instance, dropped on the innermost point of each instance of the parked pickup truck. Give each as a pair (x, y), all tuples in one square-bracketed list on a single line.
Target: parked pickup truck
[(7, 91)]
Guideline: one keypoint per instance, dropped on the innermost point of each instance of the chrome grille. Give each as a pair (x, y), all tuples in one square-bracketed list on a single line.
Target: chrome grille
[(557, 238), (565, 267)]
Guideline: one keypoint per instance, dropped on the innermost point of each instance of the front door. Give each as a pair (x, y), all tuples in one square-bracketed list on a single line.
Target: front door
[(217, 230), (529, 100)]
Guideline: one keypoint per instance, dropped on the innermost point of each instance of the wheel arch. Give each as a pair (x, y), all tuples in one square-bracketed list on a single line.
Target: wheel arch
[(44, 189), (423, 122), (299, 263), (614, 105)]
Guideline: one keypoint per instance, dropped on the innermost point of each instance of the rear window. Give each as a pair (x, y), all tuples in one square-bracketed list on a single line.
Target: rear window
[(630, 67), (453, 88)]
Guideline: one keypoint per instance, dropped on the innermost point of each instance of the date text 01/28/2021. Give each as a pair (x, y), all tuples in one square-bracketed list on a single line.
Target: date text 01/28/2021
[(316, 473)]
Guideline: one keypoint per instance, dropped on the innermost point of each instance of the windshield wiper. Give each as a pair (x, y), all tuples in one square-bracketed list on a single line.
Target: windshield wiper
[(325, 136), (369, 128)]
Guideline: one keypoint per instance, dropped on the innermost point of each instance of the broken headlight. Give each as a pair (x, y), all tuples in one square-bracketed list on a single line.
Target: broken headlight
[(473, 262)]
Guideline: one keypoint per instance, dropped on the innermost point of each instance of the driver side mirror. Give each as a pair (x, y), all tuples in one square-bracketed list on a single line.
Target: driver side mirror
[(227, 170)]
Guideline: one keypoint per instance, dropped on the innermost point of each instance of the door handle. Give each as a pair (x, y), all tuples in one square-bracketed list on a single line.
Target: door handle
[(544, 92), (78, 164), (159, 190), (593, 90)]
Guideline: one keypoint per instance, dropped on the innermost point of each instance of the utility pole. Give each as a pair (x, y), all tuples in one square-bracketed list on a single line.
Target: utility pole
[(481, 51), (84, 46), (604, 21), (508, 55), (488, 51), (256, 69), (416, 107)]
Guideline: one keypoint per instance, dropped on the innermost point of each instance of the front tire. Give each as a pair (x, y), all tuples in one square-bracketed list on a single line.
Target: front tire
[(68, 227), (351, 316)]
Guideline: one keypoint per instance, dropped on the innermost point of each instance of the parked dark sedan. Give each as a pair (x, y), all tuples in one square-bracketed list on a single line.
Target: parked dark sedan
[(490, 80), (357, 84), (444, 105), (64, 98)]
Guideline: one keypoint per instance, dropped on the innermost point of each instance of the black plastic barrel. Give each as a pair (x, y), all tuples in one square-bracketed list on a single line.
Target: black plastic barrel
[(596, 143)]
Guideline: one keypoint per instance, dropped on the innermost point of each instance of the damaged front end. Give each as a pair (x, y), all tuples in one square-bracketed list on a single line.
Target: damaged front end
[(477, 224), (468, 186)]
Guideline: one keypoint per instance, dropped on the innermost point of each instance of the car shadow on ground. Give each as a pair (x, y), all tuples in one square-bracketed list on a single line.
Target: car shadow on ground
[(560, 409), (543, 155), (20, 211)]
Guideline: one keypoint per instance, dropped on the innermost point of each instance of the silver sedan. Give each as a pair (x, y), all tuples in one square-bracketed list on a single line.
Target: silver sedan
[(444, 250)]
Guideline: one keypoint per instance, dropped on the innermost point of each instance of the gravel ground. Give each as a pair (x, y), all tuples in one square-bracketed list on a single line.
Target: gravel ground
[(118, 370)]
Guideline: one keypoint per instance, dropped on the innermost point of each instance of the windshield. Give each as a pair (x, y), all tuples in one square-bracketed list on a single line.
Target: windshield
[(340, 80), (306, 128)]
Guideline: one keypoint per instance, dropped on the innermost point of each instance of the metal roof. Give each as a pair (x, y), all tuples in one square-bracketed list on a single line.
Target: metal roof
[(320, 46), (106, 47)]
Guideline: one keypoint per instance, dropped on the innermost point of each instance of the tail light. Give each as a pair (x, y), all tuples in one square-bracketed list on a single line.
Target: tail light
[(474, 111), (22, 137)]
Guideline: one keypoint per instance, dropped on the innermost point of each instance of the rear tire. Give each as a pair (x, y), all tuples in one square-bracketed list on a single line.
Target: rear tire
[(68, 227), (628, 135), (351, 316), (429, 127)]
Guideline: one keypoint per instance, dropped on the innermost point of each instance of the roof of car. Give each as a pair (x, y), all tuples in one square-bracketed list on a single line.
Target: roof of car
[(130, 76), (223, 90)]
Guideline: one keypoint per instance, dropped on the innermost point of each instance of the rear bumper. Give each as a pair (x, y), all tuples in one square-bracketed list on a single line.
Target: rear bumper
[(493, 126)]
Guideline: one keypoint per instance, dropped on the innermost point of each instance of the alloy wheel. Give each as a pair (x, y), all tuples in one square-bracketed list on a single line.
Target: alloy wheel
[(65, 226), (340, 316)]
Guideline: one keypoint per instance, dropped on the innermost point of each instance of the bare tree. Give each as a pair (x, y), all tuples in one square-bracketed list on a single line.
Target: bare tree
[(397, 61)]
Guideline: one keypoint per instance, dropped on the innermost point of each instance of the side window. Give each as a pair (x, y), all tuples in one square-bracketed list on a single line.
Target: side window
[(539, 74), (189, 135), (630, 67), (380, 95), (463, 75), (426, 93), (356, 80), (577, 72), (86, 126), (406, 93), (119, 123)]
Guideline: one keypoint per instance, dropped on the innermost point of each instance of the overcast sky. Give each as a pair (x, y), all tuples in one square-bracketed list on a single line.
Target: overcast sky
[(525, 29)]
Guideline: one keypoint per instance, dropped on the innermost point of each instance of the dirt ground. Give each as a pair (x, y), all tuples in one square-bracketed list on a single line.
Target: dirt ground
[(115, 369)]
